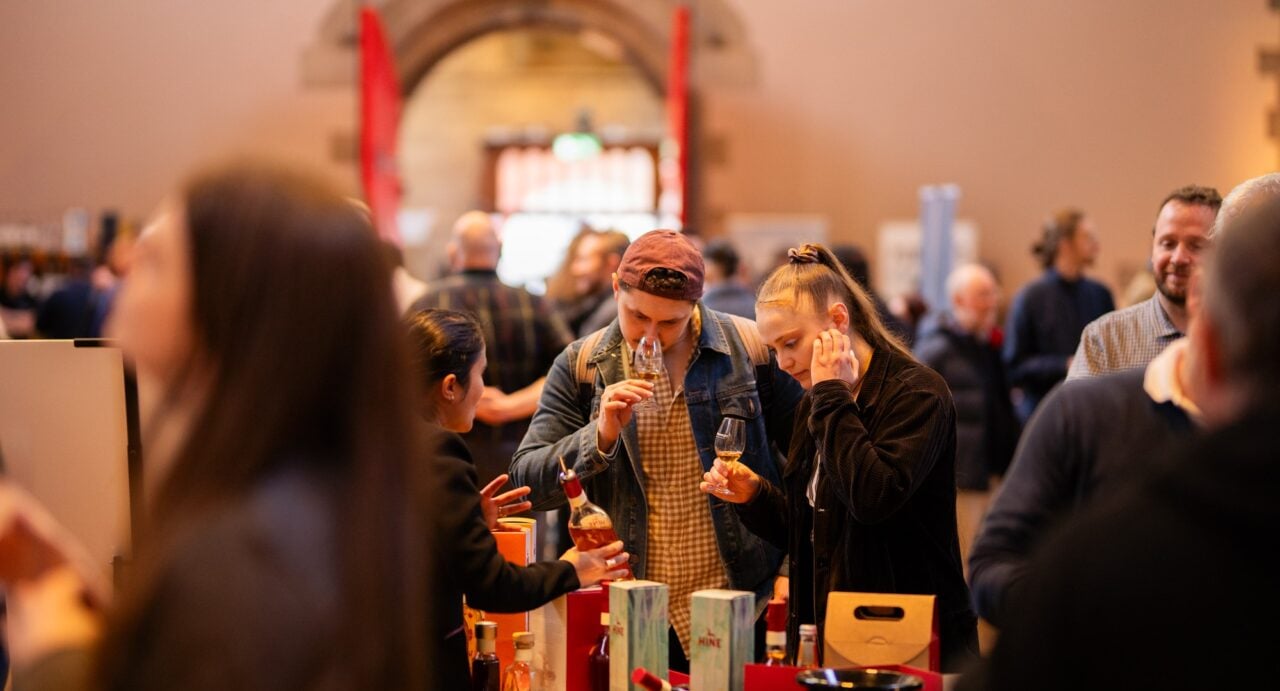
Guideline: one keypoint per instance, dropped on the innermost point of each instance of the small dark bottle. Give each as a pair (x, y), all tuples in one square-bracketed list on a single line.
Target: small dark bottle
[(485, 672), (598, 663)]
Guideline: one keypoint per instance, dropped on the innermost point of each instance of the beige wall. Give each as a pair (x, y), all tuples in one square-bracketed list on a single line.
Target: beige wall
[(109, 103), (1027, 104)]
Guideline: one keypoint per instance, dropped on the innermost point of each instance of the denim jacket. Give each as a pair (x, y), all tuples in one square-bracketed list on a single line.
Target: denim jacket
[(721, 380)]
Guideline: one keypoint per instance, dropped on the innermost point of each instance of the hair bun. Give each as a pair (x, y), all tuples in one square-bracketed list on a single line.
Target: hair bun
[(803, 255)]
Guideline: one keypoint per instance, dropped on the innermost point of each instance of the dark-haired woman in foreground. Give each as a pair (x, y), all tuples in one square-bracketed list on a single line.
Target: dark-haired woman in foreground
[(867, 502), (449, 355), (283, 547)]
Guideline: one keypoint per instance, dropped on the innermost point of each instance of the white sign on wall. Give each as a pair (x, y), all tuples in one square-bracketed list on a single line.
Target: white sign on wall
[(898, 262)]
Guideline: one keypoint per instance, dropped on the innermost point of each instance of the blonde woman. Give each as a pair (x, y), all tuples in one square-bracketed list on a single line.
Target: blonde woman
[(867, 501)]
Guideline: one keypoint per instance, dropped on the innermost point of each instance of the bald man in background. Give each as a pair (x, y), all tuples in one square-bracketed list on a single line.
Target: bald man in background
[(522, 338), (963, 345)]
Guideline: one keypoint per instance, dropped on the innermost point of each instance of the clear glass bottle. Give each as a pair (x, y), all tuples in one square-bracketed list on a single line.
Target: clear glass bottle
[(520, 675), (486, 675), (589, 525), (807, 654), (775, 637)]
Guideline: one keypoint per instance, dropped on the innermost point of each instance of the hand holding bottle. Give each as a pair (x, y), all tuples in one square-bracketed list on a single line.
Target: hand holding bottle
[(599, 564)]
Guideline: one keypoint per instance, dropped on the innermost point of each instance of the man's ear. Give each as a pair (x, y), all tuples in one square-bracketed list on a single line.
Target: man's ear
[(615, 285), (838, 313)]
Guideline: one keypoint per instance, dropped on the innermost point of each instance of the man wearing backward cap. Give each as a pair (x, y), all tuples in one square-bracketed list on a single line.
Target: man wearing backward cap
[(643, 464)]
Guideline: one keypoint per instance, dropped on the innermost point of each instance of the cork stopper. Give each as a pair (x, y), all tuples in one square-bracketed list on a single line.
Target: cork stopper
[(486, 631), (523, 640)]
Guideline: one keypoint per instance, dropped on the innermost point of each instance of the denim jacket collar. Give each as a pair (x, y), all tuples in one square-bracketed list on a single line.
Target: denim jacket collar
[(711, 338)]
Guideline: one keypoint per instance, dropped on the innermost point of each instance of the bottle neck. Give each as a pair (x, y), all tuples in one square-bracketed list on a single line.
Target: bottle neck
[(486, 646), (573, 489), (524, 655)]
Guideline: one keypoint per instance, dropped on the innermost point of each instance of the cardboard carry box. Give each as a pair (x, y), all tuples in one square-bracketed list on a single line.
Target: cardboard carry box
[(517, 543), (876, 629)]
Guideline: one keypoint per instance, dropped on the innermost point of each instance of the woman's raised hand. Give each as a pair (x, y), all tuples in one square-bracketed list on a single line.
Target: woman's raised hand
[(833, 358), (502, 505)]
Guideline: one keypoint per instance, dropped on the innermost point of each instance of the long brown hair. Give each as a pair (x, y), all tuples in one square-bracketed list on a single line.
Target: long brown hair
[(811, 278), (295, 321)]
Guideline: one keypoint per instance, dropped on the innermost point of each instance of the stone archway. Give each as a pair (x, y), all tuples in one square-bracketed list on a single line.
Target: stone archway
[(422, 32)]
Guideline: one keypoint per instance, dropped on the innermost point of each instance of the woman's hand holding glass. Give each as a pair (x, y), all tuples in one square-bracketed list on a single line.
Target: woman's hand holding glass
[(728, 478), (833, 358)]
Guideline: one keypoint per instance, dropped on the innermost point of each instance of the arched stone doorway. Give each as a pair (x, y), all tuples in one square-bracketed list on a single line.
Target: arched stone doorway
[(424, 32)]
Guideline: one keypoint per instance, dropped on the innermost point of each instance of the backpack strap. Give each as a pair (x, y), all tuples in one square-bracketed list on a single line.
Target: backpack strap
[(584, 370), (751, 340)]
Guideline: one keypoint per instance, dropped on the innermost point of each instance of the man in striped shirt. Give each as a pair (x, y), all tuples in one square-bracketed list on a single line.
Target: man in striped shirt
[(1132, 337)]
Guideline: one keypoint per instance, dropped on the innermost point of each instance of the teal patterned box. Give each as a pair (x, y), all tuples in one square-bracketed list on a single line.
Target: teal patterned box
[(637, 631), (722, 639)]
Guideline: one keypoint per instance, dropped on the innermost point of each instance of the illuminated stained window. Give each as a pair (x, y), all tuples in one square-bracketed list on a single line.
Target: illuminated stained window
[(532, 179), (545, 199)]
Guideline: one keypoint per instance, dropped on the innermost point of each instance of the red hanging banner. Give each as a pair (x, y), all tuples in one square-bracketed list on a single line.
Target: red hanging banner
[(379, 124), (677, 157)]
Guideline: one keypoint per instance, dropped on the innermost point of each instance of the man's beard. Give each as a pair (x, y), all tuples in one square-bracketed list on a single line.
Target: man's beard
[(1177, 296)]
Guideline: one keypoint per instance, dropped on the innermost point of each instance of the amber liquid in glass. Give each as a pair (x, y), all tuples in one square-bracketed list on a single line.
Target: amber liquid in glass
[(727, 457)]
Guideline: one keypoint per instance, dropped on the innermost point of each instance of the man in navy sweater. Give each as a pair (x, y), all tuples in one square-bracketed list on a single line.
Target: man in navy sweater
[(1049, 313)]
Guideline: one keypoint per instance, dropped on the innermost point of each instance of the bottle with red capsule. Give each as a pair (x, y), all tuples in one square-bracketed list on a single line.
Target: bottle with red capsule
[(652, 682)]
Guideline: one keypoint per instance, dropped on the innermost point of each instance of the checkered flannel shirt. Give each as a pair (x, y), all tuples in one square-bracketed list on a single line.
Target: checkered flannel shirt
[(683, 552), (1125, 339)]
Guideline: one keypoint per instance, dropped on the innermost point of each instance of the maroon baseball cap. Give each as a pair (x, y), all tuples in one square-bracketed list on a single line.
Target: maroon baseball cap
[(663, 249)]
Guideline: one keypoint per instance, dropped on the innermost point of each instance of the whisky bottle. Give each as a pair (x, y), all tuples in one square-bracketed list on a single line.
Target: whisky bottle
[(485, 673), (589, 526)]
